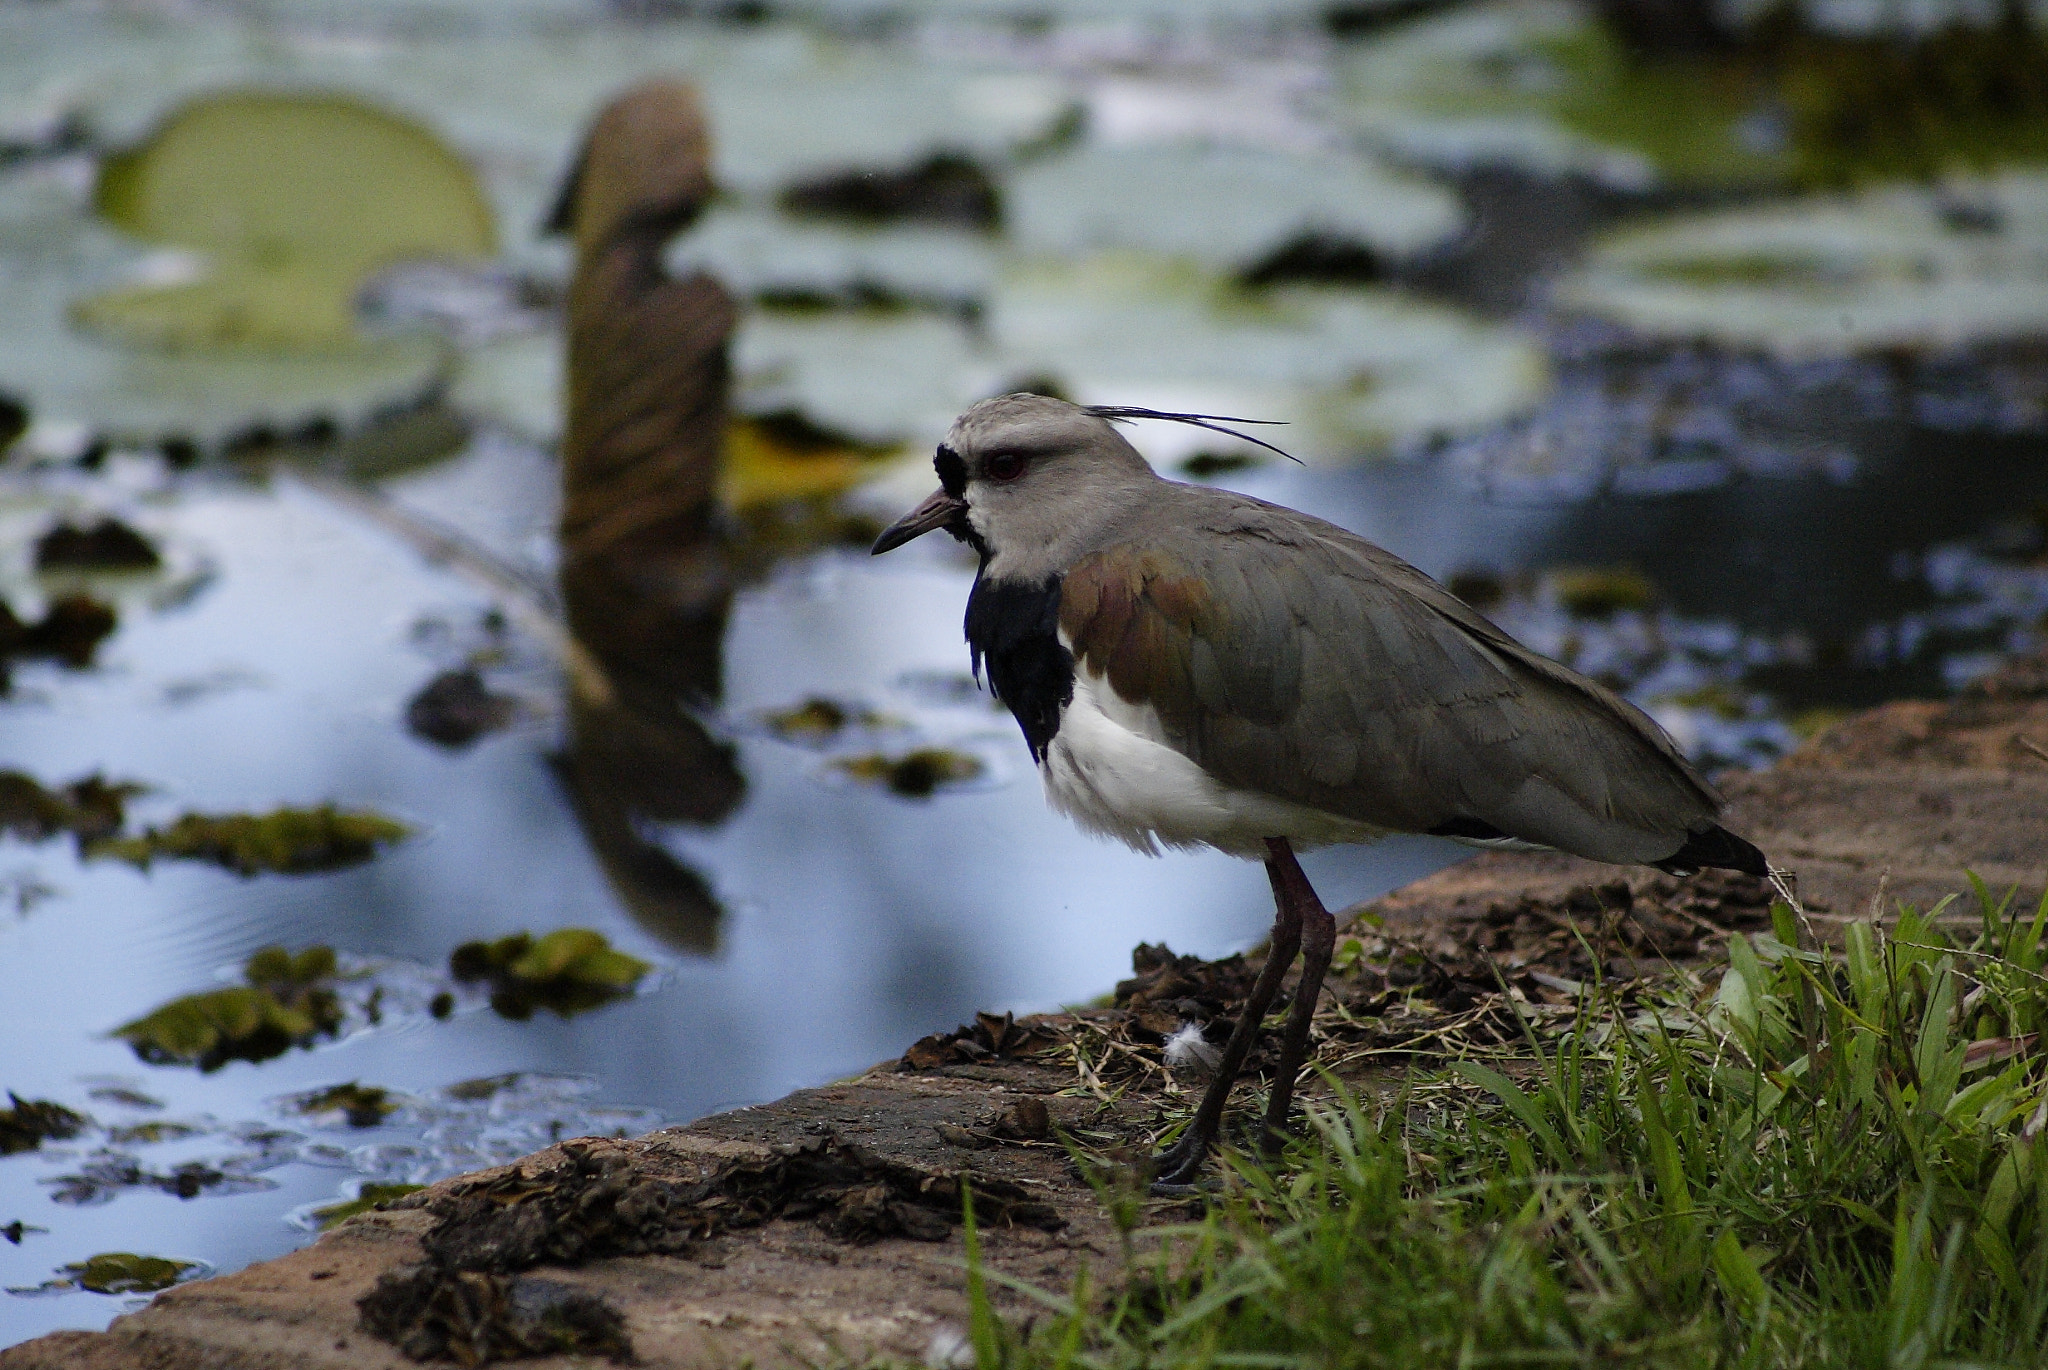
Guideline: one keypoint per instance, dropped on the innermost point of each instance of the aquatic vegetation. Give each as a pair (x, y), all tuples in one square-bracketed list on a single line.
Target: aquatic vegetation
[(89, 808), (455, 708), (106, 1175), (369, 1197), (1891, 267), (70, 631), (295, 200), (947, 188), (123, 1272), (106, 545), (914, 775), (14, 1231), (30, 1122), (284, 841), (818, 721), (289, 1000), (1596, 592), (569, 971), (357, 1105)]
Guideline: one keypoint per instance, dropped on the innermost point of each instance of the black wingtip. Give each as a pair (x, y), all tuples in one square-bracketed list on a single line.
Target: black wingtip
[(1716, 847)]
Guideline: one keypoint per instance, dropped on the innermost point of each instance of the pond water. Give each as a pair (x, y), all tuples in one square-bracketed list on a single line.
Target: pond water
[(1742, 540)]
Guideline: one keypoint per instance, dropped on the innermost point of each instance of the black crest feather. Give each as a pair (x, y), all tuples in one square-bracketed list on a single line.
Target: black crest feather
[(1121, 413)]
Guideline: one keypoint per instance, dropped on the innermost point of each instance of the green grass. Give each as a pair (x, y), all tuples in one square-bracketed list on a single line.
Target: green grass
[(1826, 1158)]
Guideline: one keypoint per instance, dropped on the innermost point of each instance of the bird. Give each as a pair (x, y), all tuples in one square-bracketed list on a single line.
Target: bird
[(1192, 667)]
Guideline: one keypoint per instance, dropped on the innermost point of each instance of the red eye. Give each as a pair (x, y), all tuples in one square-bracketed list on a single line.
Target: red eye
[(1005, 466)]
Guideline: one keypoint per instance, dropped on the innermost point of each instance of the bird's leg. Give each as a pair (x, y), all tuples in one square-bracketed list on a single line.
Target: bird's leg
[(1180, 1163), (1318, 939)]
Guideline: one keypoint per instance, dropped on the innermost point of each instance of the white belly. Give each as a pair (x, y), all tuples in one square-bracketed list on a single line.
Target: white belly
[(1110, 770)]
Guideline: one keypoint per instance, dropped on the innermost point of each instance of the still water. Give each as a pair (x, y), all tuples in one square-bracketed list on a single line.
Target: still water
[(1798, 535)]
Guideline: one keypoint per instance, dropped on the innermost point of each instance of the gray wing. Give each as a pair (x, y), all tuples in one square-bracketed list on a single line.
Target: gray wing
[(1290, 657)]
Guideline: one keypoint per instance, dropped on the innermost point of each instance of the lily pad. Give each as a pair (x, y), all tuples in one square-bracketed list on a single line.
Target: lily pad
[(123, 1272), (569, 970), (70, 631), (1892, 267), (106, 545), (368, 1198), (31, 1122), (57, 250), (1356, 372), (1226, 208), (284, 841), (295, 201), (288, 1000), (357, 1105)]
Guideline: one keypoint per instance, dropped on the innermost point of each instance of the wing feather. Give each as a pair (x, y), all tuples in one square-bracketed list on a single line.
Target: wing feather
[(1292, 658)]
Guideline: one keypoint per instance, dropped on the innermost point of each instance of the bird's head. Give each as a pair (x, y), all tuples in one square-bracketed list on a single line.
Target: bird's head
[(1030, 472)]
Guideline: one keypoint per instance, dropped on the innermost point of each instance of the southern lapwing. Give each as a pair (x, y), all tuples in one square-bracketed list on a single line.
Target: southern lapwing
[(1193, 667)]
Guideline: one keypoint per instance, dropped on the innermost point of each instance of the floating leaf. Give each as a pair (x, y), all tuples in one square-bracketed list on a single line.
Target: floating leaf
[(288, 1001), (914, 775), (123, 1272), (568, 970), (285, 841), (295, 200), (30, 1122), (368, 1198)]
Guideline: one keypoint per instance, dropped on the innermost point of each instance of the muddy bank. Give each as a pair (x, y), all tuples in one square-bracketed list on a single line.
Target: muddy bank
[(825, 1226)]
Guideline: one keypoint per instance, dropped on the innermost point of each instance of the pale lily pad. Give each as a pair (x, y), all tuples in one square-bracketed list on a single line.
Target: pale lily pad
[(1893, 266), (53, 250), (1355, 372), (1220, 206), (294, 201), (1481, 85), (881, 379)]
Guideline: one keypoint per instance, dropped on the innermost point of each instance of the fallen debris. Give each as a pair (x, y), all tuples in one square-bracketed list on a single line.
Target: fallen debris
[(946, 188), (465, 1301), (988, 1036), (289, 1001), (108, 545), (570, 971), (284, 841), (455, 708), (31, 1122)]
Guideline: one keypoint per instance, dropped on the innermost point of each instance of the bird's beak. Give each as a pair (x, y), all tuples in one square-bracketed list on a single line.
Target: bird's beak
[(938, 510)]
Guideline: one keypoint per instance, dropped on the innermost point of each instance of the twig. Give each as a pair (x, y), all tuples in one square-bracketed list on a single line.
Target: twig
[(527, 604)]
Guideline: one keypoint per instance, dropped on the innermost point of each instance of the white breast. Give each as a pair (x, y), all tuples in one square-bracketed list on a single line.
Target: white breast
[(1111, 770)]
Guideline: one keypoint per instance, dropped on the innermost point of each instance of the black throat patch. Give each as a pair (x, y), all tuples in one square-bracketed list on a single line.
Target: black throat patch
[(1013, 633)]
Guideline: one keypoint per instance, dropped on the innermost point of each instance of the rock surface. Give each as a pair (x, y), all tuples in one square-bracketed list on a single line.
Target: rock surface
[(1897, 801)]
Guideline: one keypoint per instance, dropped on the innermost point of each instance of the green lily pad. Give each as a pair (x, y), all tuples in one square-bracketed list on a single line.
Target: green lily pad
[(368, 1199), (288, 1001), (294, 200), (284, 841), (569, 970), (1893, 266), (123, 1272)]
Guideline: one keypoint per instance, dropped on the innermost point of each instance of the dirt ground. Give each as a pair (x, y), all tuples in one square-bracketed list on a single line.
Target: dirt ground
[(825, 1226)]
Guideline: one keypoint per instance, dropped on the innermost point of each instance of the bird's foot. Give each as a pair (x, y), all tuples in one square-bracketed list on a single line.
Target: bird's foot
[(1175, 1170)]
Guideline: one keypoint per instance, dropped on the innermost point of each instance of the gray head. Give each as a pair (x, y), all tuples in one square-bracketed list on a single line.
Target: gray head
[(1030, 481)]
